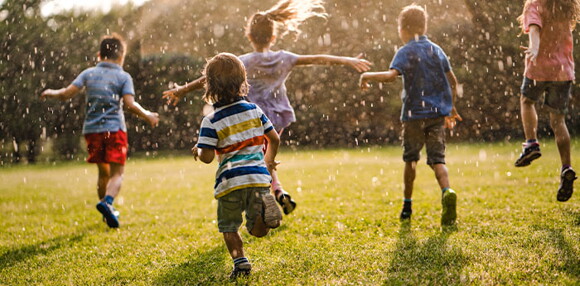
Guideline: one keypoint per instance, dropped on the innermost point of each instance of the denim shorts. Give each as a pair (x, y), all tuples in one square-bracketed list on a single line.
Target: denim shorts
[(232, 205), (556, 94), (429, 132)]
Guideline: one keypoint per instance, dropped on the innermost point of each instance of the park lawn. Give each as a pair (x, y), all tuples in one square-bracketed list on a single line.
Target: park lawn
[(345, 230)]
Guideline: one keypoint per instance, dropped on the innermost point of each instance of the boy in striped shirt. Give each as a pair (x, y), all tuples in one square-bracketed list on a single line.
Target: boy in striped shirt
[(236, 131)]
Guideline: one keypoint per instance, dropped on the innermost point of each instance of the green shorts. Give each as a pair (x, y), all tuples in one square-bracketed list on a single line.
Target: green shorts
[(424, 132), (232, 205)]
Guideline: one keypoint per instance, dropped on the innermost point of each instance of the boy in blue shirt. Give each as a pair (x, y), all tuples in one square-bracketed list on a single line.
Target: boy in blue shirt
[(428, 96), (109, 90)]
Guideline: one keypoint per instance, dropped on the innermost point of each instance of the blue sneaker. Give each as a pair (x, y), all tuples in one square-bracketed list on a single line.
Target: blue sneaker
[(108, 212), (566, 185), (530, 153)]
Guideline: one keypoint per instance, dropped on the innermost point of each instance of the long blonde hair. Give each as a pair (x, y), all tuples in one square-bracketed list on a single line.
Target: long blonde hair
[(286, 14), (555, 10)]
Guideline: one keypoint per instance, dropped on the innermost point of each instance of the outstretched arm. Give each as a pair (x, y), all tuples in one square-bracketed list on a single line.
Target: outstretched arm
[(132, 106), (534, 48), (357, 63), (62, 94), (386, 76), (174, 95), (451, 120)]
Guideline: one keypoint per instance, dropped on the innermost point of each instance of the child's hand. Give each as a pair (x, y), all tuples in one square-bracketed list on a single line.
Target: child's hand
[(271, 165), (195, 152), (359, 64), (531, 54), (363, 82), (46, 93), (451, 120), (173, 95), (153, 119)]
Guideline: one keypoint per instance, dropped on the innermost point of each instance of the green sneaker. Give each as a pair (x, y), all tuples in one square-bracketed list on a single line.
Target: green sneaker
[(449, 213)]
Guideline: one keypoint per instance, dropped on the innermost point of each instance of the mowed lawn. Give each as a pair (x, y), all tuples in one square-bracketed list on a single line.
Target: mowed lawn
[(511, 229)]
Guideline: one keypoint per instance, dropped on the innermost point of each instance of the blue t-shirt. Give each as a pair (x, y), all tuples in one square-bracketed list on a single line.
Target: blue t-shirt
[(426, 91), (106, 84)]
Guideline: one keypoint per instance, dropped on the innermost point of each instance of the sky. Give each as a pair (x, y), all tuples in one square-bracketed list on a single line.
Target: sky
[(54, 6)]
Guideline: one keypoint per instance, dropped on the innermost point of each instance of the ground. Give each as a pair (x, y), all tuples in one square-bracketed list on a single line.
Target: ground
[(511, 229)]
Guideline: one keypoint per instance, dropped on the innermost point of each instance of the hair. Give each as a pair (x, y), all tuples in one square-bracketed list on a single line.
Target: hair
[(112, 47), (287, 14), (555, 10), (225, 79), (413, 19)]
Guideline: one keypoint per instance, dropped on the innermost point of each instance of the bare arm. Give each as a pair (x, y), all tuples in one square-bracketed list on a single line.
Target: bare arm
[(204, 154), (534, 47), (451, 120), (386, 76), (273, 144), (62, 94), (132, 106), (357, 63), (174, 95)]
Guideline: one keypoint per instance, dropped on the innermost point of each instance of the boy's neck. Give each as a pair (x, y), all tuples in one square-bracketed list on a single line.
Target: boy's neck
[(117, 62)]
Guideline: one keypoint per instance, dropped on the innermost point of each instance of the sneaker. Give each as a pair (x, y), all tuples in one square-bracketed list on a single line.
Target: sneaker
[(406, 213), (108, 212), (116, 213), (242, 269), (531, 152), (449, 213), (285, 200), (566, 184), (272, 215)]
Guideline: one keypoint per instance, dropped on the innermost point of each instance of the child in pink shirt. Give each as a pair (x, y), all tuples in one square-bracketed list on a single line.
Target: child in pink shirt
[(549, 74)]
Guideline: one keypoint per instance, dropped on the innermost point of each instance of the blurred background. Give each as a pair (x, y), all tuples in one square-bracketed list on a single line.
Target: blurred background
[(46, 44)]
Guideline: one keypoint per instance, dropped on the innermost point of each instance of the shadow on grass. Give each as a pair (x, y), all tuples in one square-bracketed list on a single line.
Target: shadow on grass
[(425, 263), (23, 253), (201, 268), (568, 256)]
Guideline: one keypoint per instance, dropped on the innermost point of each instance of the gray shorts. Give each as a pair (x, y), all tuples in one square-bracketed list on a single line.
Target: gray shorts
[(556, 94), (232, 205), (429, 132)]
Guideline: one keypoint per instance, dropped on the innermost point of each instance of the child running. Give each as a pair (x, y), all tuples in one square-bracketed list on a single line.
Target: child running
[(428, 105), (236, 131), (109, 89), (549, 72), (268, 70)]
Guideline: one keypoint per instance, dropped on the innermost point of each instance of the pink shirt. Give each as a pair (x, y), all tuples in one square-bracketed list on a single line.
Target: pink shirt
[(555, 61)]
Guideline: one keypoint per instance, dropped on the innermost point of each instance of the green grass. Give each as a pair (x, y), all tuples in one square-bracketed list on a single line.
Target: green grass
[(344, 231)]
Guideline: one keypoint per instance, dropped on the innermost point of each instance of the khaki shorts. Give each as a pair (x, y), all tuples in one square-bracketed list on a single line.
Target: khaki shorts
[(429, 132), (232, 205)]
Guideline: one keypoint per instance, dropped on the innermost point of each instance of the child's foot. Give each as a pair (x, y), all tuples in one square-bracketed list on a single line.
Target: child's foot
[(116, 213), (407, 211), (242, 269), (530, 153), (566, 184), (286, 202), (449, 213), (272, 214), (108, 212)]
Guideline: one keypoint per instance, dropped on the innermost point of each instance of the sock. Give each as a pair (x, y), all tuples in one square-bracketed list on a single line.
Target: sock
[(108, 199), (531, 142), (564, 167), (407, 203), (240, 260), (445, 189)]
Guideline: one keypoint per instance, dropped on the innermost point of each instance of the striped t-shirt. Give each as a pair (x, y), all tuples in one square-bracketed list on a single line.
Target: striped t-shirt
[(236, 133)]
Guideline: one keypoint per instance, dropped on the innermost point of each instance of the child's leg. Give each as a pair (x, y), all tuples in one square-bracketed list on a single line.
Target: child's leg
[(260, 229), (103, 181), (529, 117), (115, 180), (409, 178), (558, 124), (442, 175), (234, 243)]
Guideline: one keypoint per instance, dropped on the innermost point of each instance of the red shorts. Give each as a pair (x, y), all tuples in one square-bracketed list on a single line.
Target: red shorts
[(107, 147)]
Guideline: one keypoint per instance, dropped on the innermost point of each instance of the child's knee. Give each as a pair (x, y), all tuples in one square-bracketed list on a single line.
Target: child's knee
[(527, 101), (259, 232)]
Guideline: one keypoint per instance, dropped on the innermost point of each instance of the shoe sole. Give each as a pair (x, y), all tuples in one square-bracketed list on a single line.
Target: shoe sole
[(565, 192), (272, 214), (110, 218), (527, 160), (287, 204), (449, 215)]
